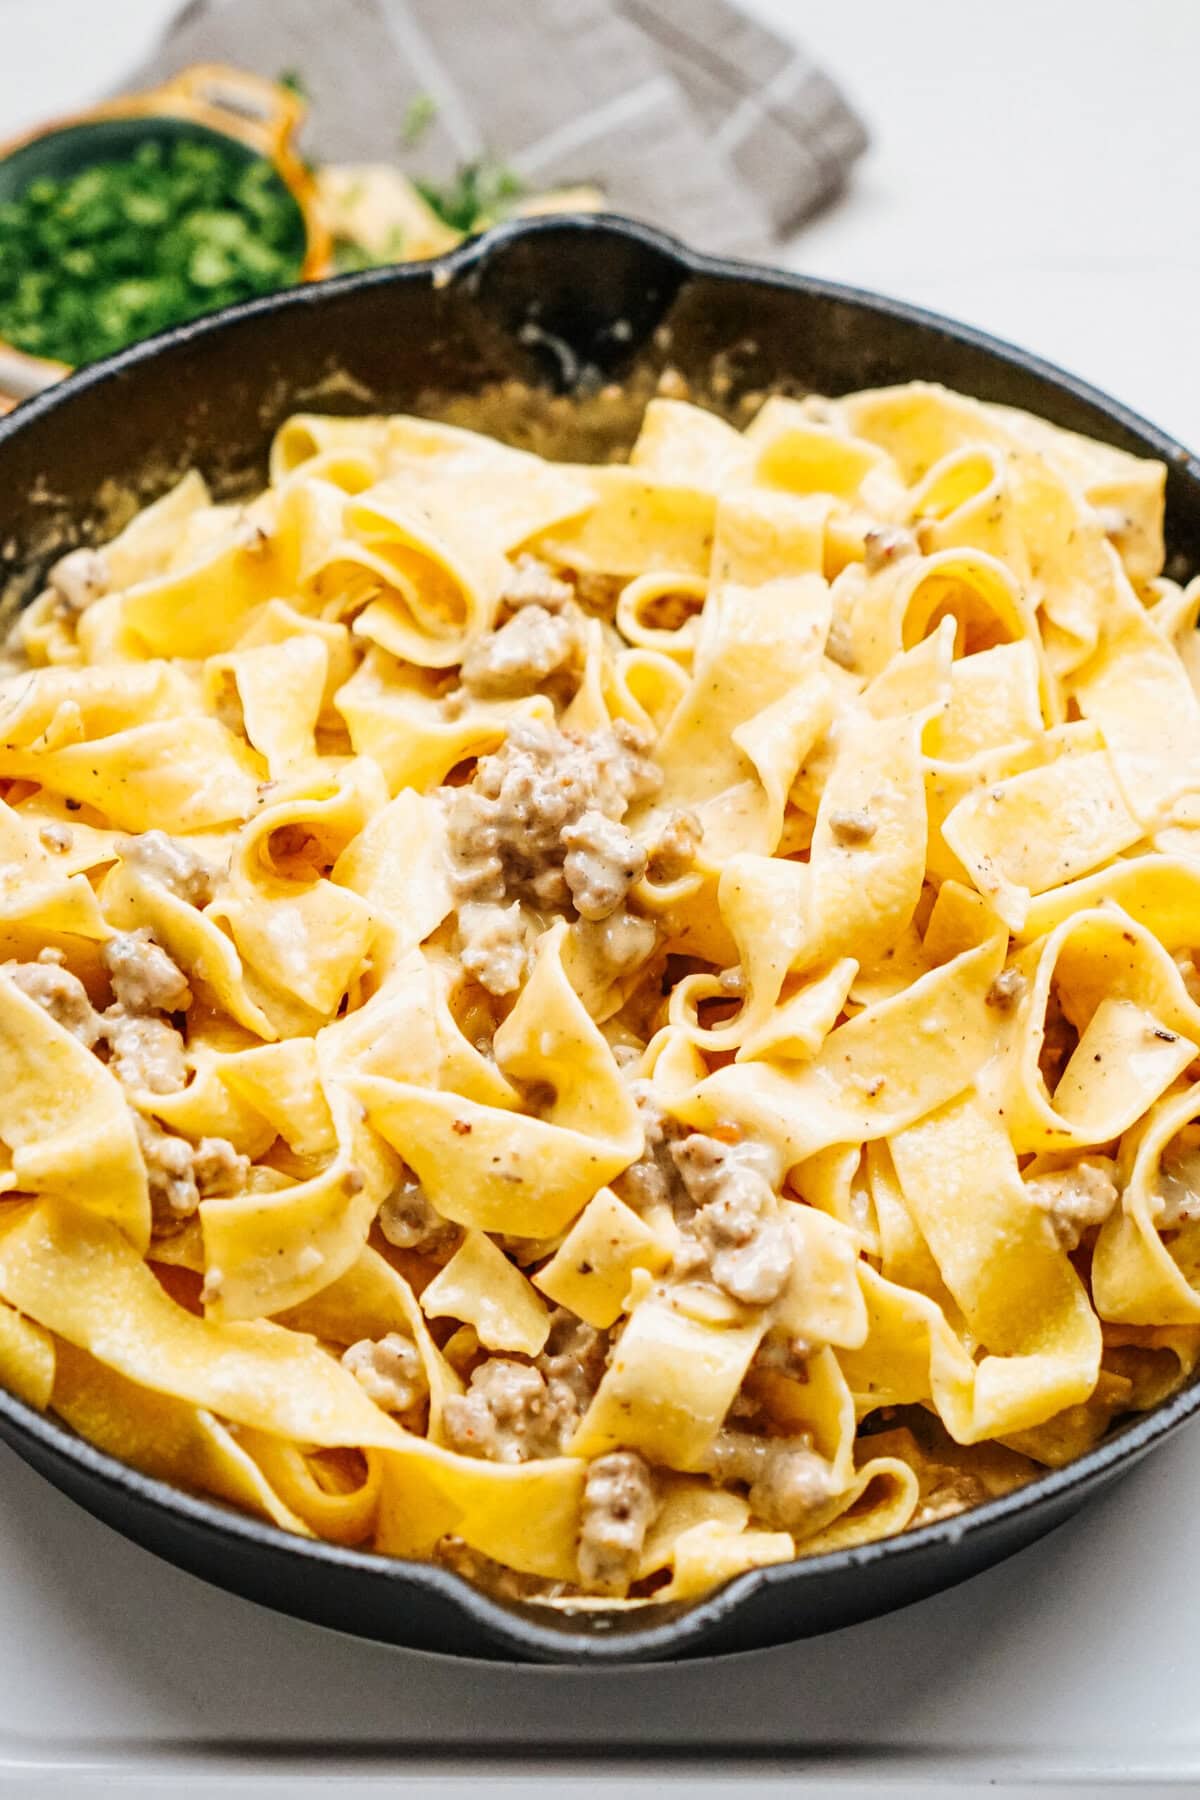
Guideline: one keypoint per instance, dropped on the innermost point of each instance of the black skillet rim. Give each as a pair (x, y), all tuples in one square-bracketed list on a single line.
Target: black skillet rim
[(505, 1627)]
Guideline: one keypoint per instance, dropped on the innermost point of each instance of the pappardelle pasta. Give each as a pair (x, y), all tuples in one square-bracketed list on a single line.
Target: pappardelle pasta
[(608, 1026)]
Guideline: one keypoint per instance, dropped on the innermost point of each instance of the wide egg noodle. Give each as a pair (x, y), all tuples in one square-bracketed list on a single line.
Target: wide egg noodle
[(866, 1493), (593, 1267), (494, 1168), (1138, 1029), (65, 1124), (163, 1436), (645, 595), (863, 1083), (855, 892), (1018, 1295), (60, 915), (394, 715), (280, 689), (133, 743), (683, 442), (756, 645), (78, 1277), (370, 1300), (55, 706), (266, 1252), (333, 1502), (281, 1083), (407, 1031), (480, 1287), (512, 494), (993, 701), (397, 864), (634, 522), (673, 1376), (29, 1359), (1009, 835), (797, 453), (208, 1106), (75, 1274), (428, 589), (1140, 1278), (194, 610), (302, 934), (762, 534)]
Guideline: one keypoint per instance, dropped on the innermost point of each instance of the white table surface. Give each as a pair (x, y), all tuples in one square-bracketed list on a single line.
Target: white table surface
[(1035, 171)]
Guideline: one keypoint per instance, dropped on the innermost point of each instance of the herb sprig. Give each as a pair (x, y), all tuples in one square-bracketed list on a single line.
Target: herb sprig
[(478, 193)]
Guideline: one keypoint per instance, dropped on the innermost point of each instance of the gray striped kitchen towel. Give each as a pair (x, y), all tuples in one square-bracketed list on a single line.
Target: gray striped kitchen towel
[(690, 115)]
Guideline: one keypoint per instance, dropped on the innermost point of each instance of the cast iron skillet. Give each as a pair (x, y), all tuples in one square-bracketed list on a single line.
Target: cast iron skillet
[(568, 303)]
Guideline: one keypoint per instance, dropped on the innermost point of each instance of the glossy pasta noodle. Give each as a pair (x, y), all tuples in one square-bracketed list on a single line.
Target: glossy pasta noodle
[(608, 1026)]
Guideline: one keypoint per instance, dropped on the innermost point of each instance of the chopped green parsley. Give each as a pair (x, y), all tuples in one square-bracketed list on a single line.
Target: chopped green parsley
[(129, 246)]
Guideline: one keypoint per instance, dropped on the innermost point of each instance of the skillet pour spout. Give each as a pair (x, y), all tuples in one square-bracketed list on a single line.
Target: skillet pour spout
[(550, 332)]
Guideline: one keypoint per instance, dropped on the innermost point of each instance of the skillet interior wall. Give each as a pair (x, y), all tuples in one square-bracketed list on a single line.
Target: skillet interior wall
[(463, 340)]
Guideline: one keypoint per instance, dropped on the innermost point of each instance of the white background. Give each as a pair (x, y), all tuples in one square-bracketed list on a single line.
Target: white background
[(1035, 170)]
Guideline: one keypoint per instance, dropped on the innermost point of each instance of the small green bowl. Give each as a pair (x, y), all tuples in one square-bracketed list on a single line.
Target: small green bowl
[(228, 107)]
